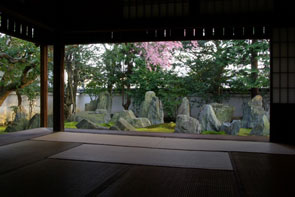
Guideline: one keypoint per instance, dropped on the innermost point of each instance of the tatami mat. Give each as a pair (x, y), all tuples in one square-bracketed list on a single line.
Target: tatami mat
[(171, 143), (148, 156)]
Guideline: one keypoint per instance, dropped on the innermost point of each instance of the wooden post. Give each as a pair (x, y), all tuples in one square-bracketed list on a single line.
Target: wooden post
[(44, 86), (58, 87)]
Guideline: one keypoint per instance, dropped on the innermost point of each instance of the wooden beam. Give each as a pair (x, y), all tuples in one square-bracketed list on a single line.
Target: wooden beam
[(44, 86), (58, 87)]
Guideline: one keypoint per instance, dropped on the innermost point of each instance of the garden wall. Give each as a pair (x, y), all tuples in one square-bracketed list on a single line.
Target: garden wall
[(6, 113)]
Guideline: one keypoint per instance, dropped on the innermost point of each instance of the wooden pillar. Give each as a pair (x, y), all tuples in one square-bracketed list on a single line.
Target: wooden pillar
[(44, 86), (58, 87)]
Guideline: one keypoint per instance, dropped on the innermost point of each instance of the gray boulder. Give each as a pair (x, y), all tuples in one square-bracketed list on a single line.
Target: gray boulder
[(91, 106), (144, 108), (18, 124), (231, 128), (224, 113), (184, 108), (253, 112), (91, 116), (86, 124), (124, 125), (208, 119), (156, 113), (104, 101), (140, 122), (187, 124), (152, 108), (127, 115), (34, 122), (262, 127)]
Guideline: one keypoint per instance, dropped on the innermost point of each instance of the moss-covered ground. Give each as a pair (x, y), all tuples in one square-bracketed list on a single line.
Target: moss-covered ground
[(161, 128), (2, 129)]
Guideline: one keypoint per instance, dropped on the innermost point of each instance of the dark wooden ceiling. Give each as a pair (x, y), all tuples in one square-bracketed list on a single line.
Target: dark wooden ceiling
[(139, 20)]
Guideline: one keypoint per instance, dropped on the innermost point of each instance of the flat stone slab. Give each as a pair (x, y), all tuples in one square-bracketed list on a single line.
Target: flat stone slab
[(148, 156), (172, 143)]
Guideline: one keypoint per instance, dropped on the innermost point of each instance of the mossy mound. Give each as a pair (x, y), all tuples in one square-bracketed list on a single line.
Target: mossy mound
[(160, 128)]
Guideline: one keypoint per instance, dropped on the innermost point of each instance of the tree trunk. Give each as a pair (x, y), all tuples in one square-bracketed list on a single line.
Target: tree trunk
[(254, 68), (19, 98), (69, 89), (128, 73)]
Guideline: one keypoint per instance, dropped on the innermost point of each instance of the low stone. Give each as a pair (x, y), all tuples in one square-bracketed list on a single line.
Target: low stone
[(124, 125), (18, 124), (91, 116), (187, 124), (86, 124), (128, 115), (224, 113), (226, 127), (34, 122), (91, 106), (184, 108), (101, 111), (236, 126), (231, 128), (140, 122), (208, 119), (262, 127)]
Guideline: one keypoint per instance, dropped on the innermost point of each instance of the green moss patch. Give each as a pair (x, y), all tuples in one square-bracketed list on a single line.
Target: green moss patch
[(213, 133), (71, 125), (2, 129), (244, 132), (160, 128)]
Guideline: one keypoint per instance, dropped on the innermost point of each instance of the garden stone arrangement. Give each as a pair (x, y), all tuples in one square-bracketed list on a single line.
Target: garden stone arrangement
[(185, 123), (218, 117), (214, 117), (152, 108), (255, 117), (97, 111)]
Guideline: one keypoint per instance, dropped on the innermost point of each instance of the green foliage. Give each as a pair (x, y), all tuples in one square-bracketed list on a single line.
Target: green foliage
[(218, 65), (166, 84)]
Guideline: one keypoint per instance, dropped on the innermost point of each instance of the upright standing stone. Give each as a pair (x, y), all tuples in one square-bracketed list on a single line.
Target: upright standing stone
[(208, 119), (184, 108), (253, 112), (144, 108), (152, 108), (104, 101), (262, 127), (156, 113), (231, 128)]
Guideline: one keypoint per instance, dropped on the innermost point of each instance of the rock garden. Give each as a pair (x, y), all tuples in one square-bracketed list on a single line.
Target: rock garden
[(214, 118)]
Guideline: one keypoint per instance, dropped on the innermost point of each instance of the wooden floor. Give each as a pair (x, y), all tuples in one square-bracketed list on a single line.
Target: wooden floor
[(27, 168)]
